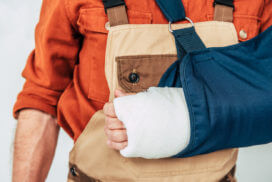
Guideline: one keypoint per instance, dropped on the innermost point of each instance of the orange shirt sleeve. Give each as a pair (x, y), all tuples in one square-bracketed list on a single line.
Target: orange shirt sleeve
[(49, 68), (267, 15)]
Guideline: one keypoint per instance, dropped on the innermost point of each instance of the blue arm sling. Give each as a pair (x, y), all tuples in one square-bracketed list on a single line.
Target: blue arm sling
[(228, 90)]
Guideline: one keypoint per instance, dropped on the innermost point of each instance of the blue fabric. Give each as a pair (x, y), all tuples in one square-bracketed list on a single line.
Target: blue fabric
[(229, 95), (171, 77), (173, 10)]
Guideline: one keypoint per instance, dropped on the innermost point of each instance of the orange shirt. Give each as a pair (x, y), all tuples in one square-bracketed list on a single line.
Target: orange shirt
[(65, 73)]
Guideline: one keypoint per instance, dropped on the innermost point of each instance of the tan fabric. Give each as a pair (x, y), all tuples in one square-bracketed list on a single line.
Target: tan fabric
[(230, 177), (78, 176), (223, 13), (91, 155), (117, 15)]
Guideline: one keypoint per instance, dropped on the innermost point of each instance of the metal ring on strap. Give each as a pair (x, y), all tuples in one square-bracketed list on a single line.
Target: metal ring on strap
[(188, 19)]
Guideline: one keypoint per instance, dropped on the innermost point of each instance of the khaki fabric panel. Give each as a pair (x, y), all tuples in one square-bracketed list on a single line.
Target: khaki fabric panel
[(99, 162), (79, 176), (133, 40), (92, 156), (230, 177)]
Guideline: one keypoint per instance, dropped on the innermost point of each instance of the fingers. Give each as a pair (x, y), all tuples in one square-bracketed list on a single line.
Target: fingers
[(114, 124), (116, 135), (114, 128), (117, 146), (109, 110), (109, 107), (120, 93)]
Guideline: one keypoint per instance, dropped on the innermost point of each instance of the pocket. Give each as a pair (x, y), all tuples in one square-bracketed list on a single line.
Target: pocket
[(95, 19), (138, 73), (91, 23), (247, 27)]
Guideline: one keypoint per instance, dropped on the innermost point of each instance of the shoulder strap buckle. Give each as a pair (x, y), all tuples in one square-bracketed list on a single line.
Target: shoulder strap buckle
[(228, 3), (113, 3)]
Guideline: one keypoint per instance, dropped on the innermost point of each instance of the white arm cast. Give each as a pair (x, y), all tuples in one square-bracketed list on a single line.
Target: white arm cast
[(157, 122)]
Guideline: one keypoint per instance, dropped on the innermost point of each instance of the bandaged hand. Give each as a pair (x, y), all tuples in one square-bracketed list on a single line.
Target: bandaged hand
[(156, 123), (114, 128)]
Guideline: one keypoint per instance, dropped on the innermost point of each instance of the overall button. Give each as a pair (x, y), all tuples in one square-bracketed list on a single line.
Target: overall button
[(73, 171), (134, 77), (243, 34)]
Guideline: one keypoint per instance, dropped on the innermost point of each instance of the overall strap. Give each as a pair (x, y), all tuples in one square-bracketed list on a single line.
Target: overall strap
[(223, 10), (116, 12), (172, 9)]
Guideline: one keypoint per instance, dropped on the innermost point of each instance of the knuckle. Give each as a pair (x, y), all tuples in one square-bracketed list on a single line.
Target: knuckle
[(110, 134), (108, 109), (117, 146), (113, 124), (122, 136), (116, 122), (114, 145), (111, 109), (122, 145), (107, 119), (115, 136)]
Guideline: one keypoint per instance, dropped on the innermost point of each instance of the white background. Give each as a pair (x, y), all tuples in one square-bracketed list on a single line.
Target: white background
[(17, 23)]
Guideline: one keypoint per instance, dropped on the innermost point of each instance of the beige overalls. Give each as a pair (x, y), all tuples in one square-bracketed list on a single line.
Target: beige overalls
[(147, 51)]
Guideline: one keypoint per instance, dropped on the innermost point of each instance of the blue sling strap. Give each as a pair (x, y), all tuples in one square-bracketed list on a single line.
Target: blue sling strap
[(173, 10), (228, 90)]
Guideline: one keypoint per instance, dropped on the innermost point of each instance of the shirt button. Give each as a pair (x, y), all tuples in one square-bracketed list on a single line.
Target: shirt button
[(73, 171), (243, 34), (107, 26), (134, 77)]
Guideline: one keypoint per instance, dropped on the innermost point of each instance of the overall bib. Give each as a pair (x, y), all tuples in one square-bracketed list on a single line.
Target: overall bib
[(136, 58)]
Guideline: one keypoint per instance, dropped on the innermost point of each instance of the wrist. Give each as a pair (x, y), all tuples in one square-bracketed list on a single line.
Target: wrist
[(34, 114)]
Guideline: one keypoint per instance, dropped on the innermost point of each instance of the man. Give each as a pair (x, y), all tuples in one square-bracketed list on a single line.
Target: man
[(65, 73)]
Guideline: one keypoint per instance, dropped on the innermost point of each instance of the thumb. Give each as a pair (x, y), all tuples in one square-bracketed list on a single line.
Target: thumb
[(120, 93)]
